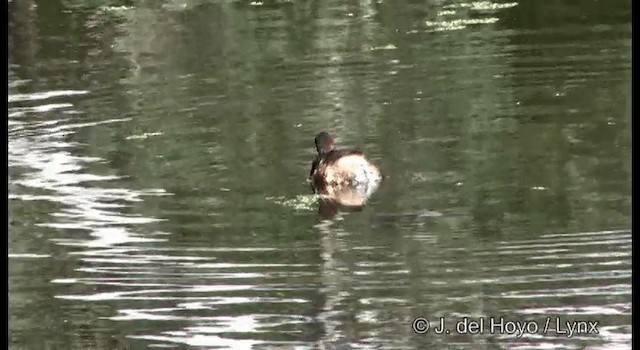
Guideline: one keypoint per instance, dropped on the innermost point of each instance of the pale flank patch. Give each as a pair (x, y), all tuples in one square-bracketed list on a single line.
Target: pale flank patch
[(358, 169)]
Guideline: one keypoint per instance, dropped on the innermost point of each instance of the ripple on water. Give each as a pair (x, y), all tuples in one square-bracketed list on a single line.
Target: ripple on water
[(56, 174)]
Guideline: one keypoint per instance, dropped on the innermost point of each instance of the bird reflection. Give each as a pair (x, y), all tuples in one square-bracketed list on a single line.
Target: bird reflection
[(342, 198)]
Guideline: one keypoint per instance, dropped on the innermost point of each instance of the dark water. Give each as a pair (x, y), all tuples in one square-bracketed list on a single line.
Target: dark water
[(158, 156)]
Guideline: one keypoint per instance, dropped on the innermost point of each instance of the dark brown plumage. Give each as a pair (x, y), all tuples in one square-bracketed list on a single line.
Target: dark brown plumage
[(340, 167)]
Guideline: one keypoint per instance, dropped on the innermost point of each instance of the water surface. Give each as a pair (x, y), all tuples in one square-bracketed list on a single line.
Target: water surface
[(158, 155)]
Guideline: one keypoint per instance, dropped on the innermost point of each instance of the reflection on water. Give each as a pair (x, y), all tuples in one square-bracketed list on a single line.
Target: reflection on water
[(158, 157), (57, 174)]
